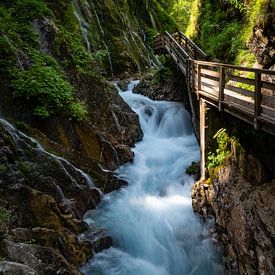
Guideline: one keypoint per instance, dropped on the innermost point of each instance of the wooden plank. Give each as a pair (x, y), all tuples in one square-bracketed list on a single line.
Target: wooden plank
[(209, 81), (268, 85), (244, 80), (209, 95), (240, 90), (199, 77), (211, 73), (241, 101), (213, 90), (245, 69), (239, 96), (268, 101), (267, 111), (258, 99)]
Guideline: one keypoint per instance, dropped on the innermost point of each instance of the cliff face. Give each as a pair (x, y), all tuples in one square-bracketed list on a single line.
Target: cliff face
[(55, 57), (240, 195), (262, 42)]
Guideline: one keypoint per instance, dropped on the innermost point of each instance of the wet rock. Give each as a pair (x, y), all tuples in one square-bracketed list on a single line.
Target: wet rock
[(123, 84), (169, 89), (244, 219), (263, 40), (8, 268), (102, 243), (44, 205), (47, 32), (42, 259)]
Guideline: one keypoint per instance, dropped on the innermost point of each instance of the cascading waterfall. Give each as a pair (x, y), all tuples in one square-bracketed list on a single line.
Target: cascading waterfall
[(65, 165), (151, 220), (84, 25), (102, 36)]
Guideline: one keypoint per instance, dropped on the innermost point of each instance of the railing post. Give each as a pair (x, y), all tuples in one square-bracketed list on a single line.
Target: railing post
[(221, 87), (179, 36), (257, 100), (199, 77)]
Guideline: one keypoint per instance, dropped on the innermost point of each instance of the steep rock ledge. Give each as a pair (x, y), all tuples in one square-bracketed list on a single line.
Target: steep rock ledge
[(240, 196), (244, 220)]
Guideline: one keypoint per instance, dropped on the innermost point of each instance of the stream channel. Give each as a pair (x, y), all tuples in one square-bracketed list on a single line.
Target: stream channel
[(151, 220)]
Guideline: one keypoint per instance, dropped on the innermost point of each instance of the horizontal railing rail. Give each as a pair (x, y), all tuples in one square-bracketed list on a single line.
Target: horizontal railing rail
[(248, 93)]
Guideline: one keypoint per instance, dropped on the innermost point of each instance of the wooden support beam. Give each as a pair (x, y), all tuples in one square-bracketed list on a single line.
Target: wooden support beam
[(258, 100), (202, 136)]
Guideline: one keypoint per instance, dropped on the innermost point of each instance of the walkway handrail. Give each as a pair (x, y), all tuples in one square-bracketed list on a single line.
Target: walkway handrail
[(247, 93)]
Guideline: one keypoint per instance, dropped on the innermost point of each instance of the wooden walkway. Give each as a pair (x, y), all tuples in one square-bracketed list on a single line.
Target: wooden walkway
[(246, 93)]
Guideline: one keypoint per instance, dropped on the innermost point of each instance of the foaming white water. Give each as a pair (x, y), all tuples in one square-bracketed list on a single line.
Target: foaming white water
[(151, 220)]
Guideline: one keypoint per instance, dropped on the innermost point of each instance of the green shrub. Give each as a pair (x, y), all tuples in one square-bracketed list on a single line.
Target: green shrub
[(3, 169), (78, 111), (218, 157), (193, 169), (4, 215), (27, 10), (45, 88)]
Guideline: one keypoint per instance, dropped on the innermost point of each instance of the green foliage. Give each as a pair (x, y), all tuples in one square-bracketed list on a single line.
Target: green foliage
[(238, 4), (165, 22), (78, 111), (150, 36), (25, 168), (193, 169), (42, 83), (44, 87), (220, 37), (26, 10), (256, 13), (161, 74), (2, 259), (3, 169), (223, 33), (250, 75), (222, 152), (193, 23), (4, 215)]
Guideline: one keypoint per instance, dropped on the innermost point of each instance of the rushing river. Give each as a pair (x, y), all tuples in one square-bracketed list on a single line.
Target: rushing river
[(151, 220)]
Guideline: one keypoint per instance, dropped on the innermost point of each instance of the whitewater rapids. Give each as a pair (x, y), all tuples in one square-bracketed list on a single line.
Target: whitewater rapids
[(151, 220)]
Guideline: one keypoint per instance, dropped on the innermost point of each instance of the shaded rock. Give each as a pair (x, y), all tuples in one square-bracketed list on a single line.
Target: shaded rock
[(42, 259), (123, 84), (8, 268), (47, 32), (244, 217), (263, 39)]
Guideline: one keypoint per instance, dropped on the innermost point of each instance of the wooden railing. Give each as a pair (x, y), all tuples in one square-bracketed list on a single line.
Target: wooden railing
[(246, 93)]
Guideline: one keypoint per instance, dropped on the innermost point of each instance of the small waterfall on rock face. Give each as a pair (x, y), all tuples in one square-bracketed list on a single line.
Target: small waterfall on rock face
[(84, 25), (151, 220), (102, 36), (68, 169)]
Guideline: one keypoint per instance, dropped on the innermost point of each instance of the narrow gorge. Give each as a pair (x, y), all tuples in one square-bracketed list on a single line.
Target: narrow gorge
[(137, 137)]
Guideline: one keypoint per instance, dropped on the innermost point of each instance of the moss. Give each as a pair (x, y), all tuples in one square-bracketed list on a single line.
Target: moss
[(3, 169), (193, 169), (224, 146), (4, 215), (224, 28), (193, 24)]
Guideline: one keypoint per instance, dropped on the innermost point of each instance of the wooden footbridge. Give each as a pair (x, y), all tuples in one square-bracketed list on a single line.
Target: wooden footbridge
[(246, 93)]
